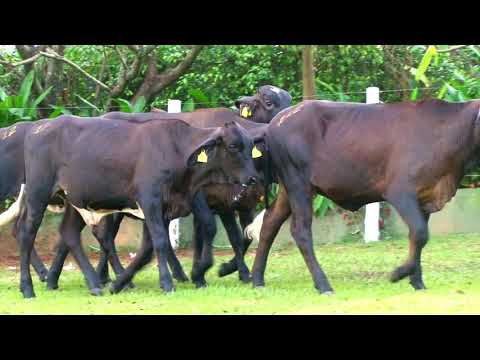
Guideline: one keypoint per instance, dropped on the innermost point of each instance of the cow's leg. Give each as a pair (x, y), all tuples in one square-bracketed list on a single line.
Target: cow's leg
[(175, 266), (417, 222), (204, 231), (57, 265), (273, 219), (227, 268), (301, 230), (144, 256), (105, 233), (37, 263), (70, 229), (235, 237), (31, 215)]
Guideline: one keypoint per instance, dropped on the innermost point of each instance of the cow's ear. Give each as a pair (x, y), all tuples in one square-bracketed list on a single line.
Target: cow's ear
[(203, 152), (259, 146)]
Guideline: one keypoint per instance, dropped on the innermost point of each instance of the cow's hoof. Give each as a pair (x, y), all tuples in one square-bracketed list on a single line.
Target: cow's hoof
[(43, 276), (181, 277), (400, 273), (96, 292), (201, 284), (130, 285), (245, 278), (225, 269), (328, 293), (115, 288), (28, 294), (52, 286), (168, 290)]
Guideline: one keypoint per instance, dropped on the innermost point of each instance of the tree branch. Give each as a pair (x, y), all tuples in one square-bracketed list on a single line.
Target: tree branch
[(23, 62), (456, 47), (52, 54)]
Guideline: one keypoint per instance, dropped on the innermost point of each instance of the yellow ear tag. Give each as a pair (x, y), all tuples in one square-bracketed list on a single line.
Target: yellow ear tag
[(202, 157), (245, 112), (256, 153), (249, 112)]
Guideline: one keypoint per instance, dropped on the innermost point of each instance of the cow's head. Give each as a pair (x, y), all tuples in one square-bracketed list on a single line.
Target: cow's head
[(264, 105), (226, 156)]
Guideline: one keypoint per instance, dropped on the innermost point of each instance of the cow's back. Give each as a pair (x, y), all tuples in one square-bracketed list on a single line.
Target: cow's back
[(358, 152)]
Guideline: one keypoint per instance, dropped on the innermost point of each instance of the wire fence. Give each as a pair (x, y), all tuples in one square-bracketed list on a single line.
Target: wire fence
[(222, 103)]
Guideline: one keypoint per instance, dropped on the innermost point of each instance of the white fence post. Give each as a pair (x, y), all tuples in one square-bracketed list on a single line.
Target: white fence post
[(372, 211), (174, 106)]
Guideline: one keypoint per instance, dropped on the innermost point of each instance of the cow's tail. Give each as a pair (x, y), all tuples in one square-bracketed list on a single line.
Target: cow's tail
[(14, 210)]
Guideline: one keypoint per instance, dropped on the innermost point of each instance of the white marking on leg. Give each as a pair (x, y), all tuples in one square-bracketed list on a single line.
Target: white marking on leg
[(14, 210)]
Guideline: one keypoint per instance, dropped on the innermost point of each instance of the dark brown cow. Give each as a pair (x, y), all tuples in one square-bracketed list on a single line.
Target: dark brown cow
[(412, 155), (151, 169)]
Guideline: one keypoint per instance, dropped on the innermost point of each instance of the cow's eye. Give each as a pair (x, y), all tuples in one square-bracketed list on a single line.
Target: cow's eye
[(268, 102), (233, 146)]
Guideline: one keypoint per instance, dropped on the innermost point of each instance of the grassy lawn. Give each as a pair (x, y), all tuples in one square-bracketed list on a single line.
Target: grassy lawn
[(358, 273)]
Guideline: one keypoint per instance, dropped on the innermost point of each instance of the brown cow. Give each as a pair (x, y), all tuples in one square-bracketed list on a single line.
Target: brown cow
[(412, 155)]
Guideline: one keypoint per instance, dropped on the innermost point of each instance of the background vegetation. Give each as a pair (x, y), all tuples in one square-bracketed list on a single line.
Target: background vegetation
[(38, 81)]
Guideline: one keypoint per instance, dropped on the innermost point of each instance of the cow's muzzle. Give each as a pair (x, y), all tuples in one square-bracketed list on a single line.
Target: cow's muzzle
[(251, 181)]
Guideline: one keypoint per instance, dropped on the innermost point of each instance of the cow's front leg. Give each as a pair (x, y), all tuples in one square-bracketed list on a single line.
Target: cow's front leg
[(204, 231), (36, 262), (273, 219), (246, 218), (152, 208), (235, 237), (417, 222)]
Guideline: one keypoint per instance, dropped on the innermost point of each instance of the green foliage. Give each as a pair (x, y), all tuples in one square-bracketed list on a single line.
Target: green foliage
[(20, 107), (127, 106)]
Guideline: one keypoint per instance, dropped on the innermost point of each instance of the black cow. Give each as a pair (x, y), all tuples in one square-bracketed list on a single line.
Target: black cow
[(151, 169), (12, 176), (412, 155), (219, 197)]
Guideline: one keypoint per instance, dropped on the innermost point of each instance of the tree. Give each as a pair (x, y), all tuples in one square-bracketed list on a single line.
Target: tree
[(308, 73)]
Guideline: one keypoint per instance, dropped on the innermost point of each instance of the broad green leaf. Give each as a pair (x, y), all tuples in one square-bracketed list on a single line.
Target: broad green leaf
[(125, 105), (442, 91), (425, 62), (33, 107), (188, 106), (25, 89), (139, 106)]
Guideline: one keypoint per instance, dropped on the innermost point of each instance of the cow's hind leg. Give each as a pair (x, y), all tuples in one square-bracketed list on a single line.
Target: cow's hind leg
[(235, 237), (417, 222), (70, 229), (227, 268), (273, 219), (301, 229), (57, 265), (105, 233), (144, 256)]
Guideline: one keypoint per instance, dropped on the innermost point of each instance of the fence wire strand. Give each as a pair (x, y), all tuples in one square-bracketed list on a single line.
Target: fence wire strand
[(220, 103)]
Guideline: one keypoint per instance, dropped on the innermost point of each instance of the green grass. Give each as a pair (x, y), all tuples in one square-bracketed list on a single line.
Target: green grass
[(358, 273)]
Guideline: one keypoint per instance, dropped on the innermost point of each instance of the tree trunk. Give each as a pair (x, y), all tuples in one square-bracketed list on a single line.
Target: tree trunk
[(308, 73)]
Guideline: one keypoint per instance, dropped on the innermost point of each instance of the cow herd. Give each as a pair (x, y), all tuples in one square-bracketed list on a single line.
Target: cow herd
[(156, 167)]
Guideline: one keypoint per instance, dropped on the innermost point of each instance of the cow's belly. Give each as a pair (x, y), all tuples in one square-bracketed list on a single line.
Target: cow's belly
[(93, 217)]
